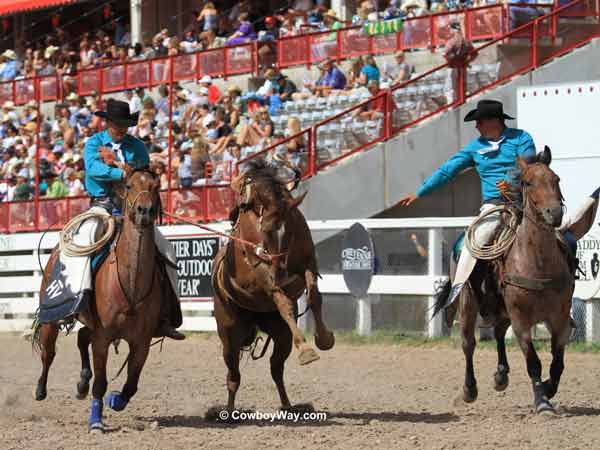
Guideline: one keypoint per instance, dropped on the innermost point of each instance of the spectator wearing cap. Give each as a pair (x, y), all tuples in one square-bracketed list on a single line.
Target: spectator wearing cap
[(10, 66), (332, 80), (23, 189), (331, 21), (214, 94), (375, 109), (286, 87), (271, 31), (398, 71)]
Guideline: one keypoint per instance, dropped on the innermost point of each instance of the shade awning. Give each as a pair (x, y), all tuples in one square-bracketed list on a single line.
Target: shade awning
[(16, 6)]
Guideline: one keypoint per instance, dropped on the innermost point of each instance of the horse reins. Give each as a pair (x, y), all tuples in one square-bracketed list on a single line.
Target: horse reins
[(259, 250)]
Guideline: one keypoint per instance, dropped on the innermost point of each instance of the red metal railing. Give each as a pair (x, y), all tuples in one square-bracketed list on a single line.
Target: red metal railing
[(521, 50), (432, 31), (516, 52), (203, 204)]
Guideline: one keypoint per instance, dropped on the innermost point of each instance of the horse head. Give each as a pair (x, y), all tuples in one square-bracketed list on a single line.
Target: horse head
[(140, 197), (540, 187), (267, 196)]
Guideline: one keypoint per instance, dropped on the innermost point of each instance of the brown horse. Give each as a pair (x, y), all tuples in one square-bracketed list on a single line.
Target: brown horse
[(256, 289), (532, 283), (126, 303)]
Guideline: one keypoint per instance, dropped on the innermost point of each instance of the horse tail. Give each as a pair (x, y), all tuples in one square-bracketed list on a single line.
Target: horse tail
[(442, 291)]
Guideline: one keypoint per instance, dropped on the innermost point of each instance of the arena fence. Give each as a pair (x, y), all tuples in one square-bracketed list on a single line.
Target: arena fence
[(335, 138), (519, 51), (412, 256)]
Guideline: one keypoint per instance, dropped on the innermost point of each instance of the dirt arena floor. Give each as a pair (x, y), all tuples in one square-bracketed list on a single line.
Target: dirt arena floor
[(375, 396)]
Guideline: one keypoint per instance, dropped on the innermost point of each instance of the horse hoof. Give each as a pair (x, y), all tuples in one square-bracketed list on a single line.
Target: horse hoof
[(116, 401), (40, 394), (82, 390), (469, 394), (97, 428), (307, 356), (549, 389), (545, 408), (325, 341), (500, 381)]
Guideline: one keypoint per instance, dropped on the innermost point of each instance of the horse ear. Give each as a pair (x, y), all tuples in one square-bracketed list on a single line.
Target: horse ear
[(295, 202), (545, 157), (522, 164)]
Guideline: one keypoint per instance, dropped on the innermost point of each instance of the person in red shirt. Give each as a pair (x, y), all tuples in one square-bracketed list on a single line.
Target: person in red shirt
[(214, 94)]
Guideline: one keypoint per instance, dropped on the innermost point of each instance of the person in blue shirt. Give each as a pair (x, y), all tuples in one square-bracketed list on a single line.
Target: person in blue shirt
[(369, 72), (109, 156), (11, 66), (494, 155)]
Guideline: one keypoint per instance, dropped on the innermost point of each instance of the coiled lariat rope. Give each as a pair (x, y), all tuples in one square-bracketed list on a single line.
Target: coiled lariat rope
[(70, 248), (504, 240)]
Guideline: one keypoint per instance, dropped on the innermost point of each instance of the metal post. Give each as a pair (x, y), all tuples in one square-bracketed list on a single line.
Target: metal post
[(36, 91), (534, 44), (136, 21), (363, 316), (170, 141), (311, 152), (435, 325)]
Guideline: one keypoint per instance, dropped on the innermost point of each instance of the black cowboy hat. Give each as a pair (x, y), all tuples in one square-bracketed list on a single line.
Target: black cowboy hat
[(487, 109), (118, 113)]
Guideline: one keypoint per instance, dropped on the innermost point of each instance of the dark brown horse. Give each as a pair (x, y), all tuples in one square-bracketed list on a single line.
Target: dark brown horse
[(533, 283), (126, 304), (258, 290)]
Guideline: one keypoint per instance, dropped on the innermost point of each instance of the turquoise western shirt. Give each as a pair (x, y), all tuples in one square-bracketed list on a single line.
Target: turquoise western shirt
[(494, 161), (100, 176)]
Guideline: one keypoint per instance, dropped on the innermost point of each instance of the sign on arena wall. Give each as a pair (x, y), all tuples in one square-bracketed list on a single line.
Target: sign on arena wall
[(195, 256), (358, 260), (588, 253)]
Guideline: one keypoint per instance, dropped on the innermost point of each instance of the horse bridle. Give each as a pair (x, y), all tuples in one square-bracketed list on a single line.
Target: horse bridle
[(535, 207), (260, 248)]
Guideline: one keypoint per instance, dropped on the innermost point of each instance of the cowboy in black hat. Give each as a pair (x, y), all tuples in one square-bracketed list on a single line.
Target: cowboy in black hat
[(494, 155), (109, 156)]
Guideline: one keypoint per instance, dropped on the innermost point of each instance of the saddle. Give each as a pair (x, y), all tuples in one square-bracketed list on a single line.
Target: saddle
[(66, 293)]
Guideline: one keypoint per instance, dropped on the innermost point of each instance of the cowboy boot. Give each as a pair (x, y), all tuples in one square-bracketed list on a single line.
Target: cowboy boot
[(170, 310)]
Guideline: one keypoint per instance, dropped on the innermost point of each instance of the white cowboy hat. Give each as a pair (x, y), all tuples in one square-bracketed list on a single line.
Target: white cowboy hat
[(72, 97), (206, 79), (10, 54), (31, 104), (50, 51), (8, 105)]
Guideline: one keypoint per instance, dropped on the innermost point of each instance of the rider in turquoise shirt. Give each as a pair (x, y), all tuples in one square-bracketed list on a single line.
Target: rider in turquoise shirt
[(494, 161), (99, 175)]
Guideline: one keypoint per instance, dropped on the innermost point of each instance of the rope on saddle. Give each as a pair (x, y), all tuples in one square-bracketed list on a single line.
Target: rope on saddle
[(505, 238), (70, 248)]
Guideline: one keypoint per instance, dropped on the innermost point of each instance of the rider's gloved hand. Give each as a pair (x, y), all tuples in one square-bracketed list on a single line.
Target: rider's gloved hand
[(107, 155)]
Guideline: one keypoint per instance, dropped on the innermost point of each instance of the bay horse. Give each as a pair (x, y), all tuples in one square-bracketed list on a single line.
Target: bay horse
[(267, 264), (532, 283), (125, 304)]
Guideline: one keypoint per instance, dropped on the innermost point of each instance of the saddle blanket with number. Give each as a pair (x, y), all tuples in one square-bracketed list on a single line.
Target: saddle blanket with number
[(70, 282)]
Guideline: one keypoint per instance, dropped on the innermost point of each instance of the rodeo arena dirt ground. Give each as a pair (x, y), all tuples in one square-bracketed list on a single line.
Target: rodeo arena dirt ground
[(373, 395)]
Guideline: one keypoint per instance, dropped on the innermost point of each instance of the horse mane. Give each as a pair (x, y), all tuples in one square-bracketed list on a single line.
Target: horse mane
[(259, 169)]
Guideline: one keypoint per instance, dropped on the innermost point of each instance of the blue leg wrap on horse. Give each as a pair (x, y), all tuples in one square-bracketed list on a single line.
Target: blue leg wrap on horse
[(96, 413), (116, 401)]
